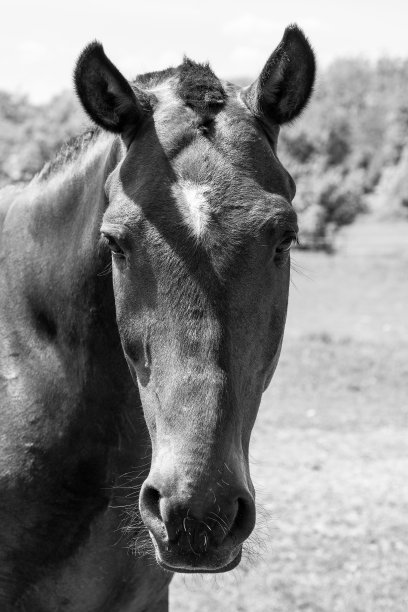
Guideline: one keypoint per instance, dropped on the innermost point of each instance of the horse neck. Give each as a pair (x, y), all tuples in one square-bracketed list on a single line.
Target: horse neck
[(70, 287), (68, 209)]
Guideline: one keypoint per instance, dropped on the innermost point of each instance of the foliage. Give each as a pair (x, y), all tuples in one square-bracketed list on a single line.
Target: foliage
[(392, 189), (30, 135), (347, 153)]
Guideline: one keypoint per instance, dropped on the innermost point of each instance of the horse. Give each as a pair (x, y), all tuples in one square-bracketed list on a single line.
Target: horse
[(144, 286)]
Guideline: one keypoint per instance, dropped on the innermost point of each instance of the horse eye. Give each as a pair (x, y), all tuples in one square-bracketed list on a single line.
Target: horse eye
[(113, 245), (286, 244)]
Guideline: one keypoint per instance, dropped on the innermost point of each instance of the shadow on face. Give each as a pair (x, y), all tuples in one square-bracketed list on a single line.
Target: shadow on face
[(200, 226)]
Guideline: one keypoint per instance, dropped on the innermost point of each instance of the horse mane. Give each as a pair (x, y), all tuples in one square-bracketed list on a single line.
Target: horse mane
[(70, 151)]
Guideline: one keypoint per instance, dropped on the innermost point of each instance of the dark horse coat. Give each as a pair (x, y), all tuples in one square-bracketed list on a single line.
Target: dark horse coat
[(143, 292)]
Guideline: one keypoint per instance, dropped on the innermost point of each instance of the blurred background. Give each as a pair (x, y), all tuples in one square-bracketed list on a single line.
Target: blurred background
[(329, 450)]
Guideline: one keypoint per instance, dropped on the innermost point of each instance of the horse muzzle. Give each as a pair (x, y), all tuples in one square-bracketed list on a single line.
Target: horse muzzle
[(197, 530)]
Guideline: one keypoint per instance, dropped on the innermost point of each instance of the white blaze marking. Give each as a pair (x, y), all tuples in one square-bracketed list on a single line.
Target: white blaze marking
[(196, 208)]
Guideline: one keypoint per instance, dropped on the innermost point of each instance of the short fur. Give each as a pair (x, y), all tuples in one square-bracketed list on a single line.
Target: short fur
[(130, 383)]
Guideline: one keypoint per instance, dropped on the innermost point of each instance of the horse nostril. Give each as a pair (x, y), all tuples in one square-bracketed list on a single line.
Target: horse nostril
[(157, 514), (244, 521), (149, 503), (151, 500)]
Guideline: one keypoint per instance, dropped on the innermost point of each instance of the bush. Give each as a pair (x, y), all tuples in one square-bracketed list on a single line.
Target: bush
[(390, 199), (31, 135), (327, 199)]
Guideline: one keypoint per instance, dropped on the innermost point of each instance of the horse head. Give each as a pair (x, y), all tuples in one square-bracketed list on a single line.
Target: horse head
[(200, 223)]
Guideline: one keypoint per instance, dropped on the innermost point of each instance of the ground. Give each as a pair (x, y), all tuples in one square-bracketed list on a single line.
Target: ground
[(330, 447)]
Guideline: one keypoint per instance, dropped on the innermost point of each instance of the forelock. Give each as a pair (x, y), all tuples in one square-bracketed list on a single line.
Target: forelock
[(199, 88), (194, 83)]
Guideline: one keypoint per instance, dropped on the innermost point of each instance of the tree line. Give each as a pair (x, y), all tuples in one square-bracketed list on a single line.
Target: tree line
[(348, 153)]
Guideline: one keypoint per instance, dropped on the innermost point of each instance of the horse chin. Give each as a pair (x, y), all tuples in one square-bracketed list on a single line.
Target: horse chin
[(203, 567)]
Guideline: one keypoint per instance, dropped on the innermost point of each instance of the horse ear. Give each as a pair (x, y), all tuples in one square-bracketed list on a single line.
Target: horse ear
[(105, 94), (285, 84)]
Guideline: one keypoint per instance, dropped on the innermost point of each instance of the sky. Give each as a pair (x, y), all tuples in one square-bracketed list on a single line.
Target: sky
[(41, 39)]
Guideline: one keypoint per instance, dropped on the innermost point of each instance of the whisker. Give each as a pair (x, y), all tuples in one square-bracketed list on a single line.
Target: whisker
[(107, 270)]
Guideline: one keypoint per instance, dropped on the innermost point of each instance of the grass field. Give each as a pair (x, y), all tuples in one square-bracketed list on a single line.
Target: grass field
[(330, 447)]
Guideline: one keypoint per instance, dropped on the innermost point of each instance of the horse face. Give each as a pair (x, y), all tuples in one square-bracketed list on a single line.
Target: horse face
[(200, 225)]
